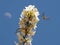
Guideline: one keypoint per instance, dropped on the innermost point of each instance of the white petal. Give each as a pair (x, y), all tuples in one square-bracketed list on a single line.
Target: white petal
[(35, 27), (30, 7), (37, 14)]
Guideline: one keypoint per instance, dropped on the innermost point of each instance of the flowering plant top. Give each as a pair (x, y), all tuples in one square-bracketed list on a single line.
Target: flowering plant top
[(27, 25)]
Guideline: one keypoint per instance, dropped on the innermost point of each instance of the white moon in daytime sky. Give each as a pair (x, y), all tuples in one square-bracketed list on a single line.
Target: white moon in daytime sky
[(8, 14)]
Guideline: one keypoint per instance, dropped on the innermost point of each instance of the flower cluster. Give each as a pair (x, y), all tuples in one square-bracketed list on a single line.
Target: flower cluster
[(27, 25)]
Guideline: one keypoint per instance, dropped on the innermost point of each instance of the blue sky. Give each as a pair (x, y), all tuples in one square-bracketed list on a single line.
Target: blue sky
[(48, 31)]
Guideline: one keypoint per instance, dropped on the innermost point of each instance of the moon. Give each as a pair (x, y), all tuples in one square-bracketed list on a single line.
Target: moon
[(8, 14)]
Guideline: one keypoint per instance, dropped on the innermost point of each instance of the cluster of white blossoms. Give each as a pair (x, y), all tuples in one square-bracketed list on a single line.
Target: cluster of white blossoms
[(27, 25)]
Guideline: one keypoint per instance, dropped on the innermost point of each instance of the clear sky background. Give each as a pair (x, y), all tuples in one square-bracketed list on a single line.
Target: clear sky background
[(48, 31)]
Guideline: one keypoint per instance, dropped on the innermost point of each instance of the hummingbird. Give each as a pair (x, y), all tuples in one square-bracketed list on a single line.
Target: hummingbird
[(44, 17)]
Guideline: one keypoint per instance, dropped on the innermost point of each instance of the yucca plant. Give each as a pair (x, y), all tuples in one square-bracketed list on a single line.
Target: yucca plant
[(27, 25)]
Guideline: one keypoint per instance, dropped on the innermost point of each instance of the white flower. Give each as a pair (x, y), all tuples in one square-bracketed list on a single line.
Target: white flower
[(30, 7), (30, 10), (37, 14), (35, 27), (37, 18)]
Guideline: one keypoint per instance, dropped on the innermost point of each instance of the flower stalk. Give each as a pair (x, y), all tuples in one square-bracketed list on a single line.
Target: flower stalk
[(27, 25)]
